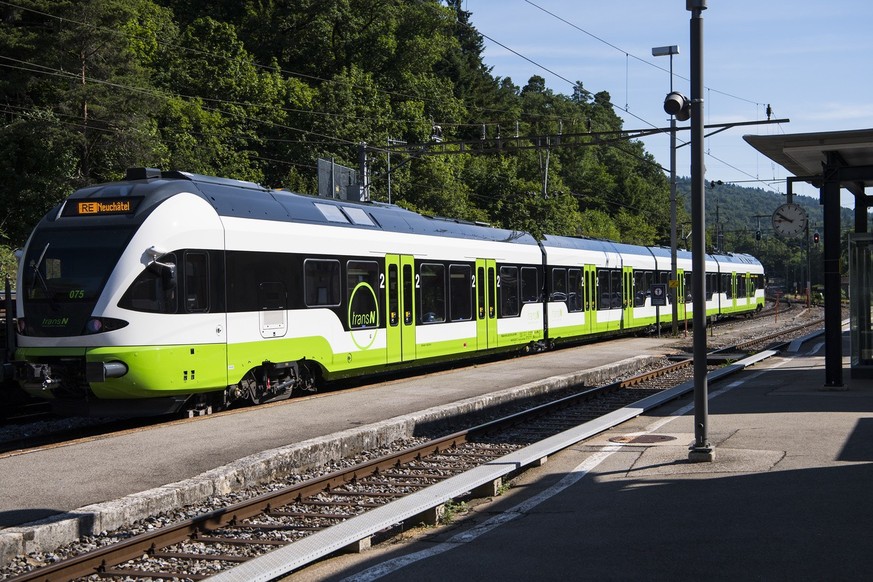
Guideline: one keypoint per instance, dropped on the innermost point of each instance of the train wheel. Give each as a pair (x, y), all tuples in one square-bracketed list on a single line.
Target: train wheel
[(253, 391)]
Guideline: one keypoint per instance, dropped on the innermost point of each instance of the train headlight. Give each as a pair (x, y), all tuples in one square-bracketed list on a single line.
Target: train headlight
[(101, 324)]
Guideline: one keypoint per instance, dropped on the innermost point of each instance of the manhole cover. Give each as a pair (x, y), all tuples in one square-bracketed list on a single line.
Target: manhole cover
[(643, 439)]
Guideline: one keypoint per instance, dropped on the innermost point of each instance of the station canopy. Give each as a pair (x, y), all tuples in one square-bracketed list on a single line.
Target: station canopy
[(803, 154)]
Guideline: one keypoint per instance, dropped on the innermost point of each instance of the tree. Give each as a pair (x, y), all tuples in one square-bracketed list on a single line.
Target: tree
[(38, 160), (597, 224)]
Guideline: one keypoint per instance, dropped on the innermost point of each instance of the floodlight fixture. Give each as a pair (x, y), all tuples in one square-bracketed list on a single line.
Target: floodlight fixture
[(677, 104), (663, 51)]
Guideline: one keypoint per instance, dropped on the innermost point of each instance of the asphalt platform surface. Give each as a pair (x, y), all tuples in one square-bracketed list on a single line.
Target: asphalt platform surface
[(50, 496), (788, 496)]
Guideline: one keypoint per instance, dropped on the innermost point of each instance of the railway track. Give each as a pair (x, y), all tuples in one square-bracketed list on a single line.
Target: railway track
[(219, 540)]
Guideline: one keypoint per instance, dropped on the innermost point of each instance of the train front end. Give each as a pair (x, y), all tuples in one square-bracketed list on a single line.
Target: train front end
[(99, 291)]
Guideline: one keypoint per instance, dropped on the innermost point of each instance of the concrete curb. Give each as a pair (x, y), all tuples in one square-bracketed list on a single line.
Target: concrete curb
[(48, 534)]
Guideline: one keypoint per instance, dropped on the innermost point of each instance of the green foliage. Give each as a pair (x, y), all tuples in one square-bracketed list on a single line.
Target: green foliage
[(598, 224), (260, 90), (38, 160), (8, 265)]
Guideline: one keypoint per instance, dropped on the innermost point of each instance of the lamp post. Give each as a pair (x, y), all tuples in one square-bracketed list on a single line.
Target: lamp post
[(683, 108), (661, 51), (702, 450)]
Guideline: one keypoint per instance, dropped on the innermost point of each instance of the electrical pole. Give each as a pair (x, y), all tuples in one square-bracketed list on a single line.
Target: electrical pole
[(702, 450)]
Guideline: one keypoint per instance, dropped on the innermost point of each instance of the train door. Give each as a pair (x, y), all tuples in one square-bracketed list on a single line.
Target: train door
[(681, 294), (400, 302), (688, 288), (486, 303), (589, 297), (627, 297), (736, 279)]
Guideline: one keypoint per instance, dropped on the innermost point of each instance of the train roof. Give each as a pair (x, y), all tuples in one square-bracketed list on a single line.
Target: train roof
[(587, 244), (237, 198)]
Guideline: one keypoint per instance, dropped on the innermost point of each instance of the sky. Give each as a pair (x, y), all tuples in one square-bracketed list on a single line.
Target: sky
[(810, 60)]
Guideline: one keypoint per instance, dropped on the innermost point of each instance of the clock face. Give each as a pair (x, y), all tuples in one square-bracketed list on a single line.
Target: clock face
[(789, 220)]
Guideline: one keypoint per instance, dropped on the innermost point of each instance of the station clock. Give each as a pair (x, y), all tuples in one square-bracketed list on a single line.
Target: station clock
[(790, 220)]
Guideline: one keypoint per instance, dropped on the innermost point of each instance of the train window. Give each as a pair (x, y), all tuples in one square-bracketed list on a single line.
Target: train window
[(643, 281), (393, 295), (591, 291), (480, 291), (332, 213), (432, 292), (362, 284), (711, 285), (757, 283), (508, 285), (196, 282), (492, 289), (530, 289), (741, 286), (460, 292), (576, 289), (407, 294), (559, 285), (272, 296), (689, 285), (616, 288), (151, 291), (321, 282), (609, 289), (604, 300), (725, 285), (358, 216)]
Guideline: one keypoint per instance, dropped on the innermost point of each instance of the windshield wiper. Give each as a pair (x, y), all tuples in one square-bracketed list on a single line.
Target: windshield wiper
[(38, 275)]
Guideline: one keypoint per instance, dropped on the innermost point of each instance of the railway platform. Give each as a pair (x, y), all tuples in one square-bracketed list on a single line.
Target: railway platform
[(787, 497), (51, 495)]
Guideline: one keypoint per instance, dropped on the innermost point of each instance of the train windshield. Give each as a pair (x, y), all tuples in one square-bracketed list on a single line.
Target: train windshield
[(63, 274)]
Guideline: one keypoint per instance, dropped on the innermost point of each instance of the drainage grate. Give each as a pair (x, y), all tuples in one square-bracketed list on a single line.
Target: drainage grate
[(643, 439)]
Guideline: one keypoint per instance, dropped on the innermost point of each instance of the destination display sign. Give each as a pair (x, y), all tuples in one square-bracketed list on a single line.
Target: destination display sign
[(101, 206)]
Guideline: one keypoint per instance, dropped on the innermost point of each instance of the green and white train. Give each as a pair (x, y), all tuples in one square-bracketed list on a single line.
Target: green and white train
[(170, 290)]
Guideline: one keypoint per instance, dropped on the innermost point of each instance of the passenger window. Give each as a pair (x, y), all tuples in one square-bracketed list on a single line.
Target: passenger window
[(492, 286), (480, 291), (530, 289), (393, 294), (508, 289), (407, 295), (321, 282), (196, 282), (609, 289), (432, 293), (575, 290), (461, 292), (726, 286), (559, 285)]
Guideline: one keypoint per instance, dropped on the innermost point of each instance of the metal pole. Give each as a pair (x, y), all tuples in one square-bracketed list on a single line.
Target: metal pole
[(672, 292), (808, 269), (332, 193), (10, 324), (363, 177), (674, 269), (830, 200), (701, 450), (389, 170), (674, 275)]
